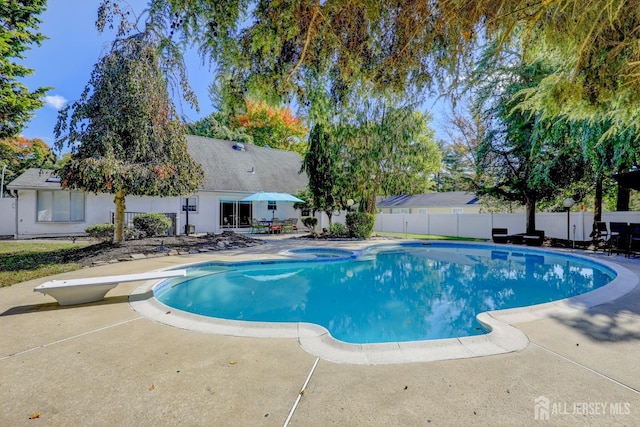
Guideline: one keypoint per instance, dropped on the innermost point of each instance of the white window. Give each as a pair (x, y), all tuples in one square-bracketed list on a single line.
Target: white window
[(60, 206), (191, 203), (456, 210), (422, 211)]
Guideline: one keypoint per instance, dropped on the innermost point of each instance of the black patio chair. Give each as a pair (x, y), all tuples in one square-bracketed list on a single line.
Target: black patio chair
[(634, 238), (618, 237), (499, 235), (534, 239)]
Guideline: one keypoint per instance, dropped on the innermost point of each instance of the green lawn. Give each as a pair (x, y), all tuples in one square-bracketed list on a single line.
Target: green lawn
[(21, 261)]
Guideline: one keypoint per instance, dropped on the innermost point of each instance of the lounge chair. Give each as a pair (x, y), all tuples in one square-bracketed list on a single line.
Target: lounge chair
[(500, 235), (534, 239)]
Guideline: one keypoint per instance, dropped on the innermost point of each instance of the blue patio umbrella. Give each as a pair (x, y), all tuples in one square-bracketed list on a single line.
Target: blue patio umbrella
[(263, 196)]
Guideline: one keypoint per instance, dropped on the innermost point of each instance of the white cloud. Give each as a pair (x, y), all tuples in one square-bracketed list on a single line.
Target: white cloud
[(55, 101)]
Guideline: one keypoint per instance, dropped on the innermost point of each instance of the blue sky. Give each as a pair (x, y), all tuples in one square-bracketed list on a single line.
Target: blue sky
[(66, 59)]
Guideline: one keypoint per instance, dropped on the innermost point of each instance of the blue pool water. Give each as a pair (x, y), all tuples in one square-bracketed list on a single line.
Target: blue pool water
[(385, 294)]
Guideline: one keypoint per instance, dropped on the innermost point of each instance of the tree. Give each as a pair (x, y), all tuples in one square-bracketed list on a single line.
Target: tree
[(386, 149), (523, 157), (217, 126), (18, 31), (465, 129), (321, 163), (271, 46), (124, 132), (607, 152), (273, 127), (19, 154)]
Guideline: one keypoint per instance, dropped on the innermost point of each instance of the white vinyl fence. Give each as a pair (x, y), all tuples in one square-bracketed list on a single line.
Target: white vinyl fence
[(7, 216), (480, 225)]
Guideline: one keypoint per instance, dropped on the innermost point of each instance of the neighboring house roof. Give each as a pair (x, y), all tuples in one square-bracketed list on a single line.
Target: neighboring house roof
[(251, 169), (228, 166), (446, 199), (35, 178)]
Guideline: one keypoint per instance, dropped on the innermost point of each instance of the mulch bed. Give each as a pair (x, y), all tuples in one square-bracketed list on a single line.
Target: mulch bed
[(107, 252)]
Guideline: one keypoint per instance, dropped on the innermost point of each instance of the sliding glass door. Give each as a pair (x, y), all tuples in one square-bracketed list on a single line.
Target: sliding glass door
[(235, 214)]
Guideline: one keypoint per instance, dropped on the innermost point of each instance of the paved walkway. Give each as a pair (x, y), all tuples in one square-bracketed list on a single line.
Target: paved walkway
[(104, 364)]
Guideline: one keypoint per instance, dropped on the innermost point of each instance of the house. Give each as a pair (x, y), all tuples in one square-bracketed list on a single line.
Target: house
[(460, 202), (232, 172)]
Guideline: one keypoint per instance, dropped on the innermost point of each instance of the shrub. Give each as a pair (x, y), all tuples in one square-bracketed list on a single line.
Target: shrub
[(152, 224), (133, 234), (310, 222), (360, 224), (338, 230), (100, 231)]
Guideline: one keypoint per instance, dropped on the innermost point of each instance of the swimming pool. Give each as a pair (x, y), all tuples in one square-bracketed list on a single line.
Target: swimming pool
[(384, 294)]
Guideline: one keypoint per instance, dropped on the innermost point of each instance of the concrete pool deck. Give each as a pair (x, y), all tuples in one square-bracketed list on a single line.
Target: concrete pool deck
[(106, 364)]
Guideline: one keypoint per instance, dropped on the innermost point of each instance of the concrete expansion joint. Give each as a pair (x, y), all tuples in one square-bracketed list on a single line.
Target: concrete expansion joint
[(302, 392), (18, 353), (593, 371)]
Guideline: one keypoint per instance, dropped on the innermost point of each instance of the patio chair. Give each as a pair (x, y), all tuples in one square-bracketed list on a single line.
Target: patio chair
[(600, 234), (516, 239), (258, 227), (634, 238), (534, 239), (618, 237), (287, 225), (499, 235), (275, 226)]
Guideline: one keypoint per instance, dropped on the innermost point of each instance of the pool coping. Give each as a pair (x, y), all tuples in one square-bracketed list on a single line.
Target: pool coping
[(504, 337)]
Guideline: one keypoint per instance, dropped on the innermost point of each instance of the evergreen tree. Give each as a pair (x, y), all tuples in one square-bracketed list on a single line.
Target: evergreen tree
[(124, 133), (524, 158), (321, 163), (18, 31)]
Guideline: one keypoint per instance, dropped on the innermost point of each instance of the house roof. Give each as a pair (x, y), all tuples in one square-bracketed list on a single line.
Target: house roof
[(35, 178), (250, 169), (228, 166), (446, 199)]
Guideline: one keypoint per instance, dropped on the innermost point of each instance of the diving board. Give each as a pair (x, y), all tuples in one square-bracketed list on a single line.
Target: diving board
[(91, 289)]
